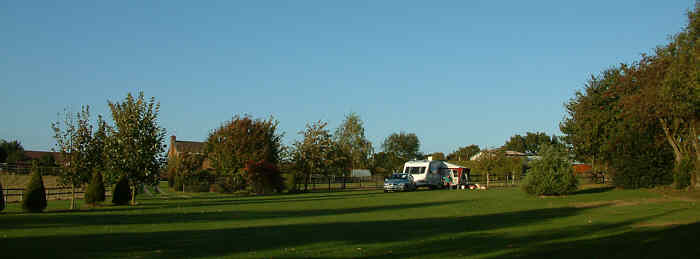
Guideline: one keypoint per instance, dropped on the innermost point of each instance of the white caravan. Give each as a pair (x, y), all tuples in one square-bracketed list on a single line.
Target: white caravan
[(427, 173)]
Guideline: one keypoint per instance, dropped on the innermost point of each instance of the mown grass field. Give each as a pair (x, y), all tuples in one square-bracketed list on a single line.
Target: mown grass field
[(595, 223)]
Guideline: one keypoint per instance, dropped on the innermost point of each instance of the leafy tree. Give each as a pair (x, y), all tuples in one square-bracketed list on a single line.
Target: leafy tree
[(34, 199), (96, 189), (384, 163), (489, 162), (187, 169), (404, 145), (73, 140), (530, 143), (12, 152), (553, 174), (437, 156), (350, 137), (3, 153), (665, 89), (591, 119), (135, 147), (464, 153), (121, 195), (264, 177), (314, 152), (514, 166), (240, 140), (2, 199)]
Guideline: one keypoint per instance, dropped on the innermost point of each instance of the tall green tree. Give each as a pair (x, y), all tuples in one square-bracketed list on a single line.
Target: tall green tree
[(314, 151), (591, 119), (664, 89), (136, 143), (73, 139), (530, 143), (464, 153), (240, 140), (350, 137), (11, 152), (385, 163), (404, 145)]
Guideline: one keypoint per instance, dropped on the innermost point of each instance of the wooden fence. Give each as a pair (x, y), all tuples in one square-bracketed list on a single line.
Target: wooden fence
[(52, 193)]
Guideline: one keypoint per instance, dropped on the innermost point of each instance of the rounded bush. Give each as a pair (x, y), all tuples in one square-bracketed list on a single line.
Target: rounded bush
[(34, 199), (553, 174), (121, 195), (96, 189)]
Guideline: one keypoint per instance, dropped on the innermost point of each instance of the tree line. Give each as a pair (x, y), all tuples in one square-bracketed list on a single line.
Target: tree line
[(638, 122)]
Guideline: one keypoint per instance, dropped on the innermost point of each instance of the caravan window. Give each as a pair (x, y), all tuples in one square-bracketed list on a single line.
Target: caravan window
[(415, 170)]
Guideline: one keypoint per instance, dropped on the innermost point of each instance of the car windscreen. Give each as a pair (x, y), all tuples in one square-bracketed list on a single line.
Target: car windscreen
[(415, 170)]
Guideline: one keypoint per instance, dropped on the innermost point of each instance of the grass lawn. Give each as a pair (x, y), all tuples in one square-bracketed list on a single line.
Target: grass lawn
[(595, 223)]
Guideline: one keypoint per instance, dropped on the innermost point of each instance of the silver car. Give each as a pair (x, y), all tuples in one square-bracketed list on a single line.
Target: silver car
[(399, 182)]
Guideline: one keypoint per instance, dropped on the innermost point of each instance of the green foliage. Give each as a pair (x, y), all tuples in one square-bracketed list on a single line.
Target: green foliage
[(185, 173), (553, 174), (242, 139), (464, 153), (438, 156), (683, 172), (11, 152), (264, 177), (121, 195), (34, 199), (135, 146), (655, 101), (384, 163), (96, 189), (530, 143), (73, 140), (2, 198), (312, 155), (404, 145), (638, 160), (350, 138)]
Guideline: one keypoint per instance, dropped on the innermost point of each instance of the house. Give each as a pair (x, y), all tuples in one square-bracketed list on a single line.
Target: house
[(178, 147)]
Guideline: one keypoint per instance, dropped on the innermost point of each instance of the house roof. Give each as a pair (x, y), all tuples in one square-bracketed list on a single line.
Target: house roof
[(189, 146), (35, 155)]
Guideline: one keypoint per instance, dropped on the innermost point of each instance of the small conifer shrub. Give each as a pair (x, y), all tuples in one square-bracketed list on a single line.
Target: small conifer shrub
[(121, 195), (95, 192), (34, 199)]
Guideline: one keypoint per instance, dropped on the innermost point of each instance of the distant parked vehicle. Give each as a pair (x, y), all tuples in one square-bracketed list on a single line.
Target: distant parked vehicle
[(426, 173), (399, 182)]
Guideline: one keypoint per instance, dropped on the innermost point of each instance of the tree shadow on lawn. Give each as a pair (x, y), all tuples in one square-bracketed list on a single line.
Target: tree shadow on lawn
[(30, 221), (618, 241), (232, 241), (595, 190)]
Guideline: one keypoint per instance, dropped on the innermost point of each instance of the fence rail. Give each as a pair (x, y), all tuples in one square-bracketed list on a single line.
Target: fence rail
[(52, 193), (24, 168)]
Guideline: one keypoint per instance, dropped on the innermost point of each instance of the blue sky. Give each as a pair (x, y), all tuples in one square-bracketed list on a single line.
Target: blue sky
[(453, 72)]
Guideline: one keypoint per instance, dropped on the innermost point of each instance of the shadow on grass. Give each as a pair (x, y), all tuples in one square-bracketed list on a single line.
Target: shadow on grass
[(47, 220), (448, 236), (595, 190)]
